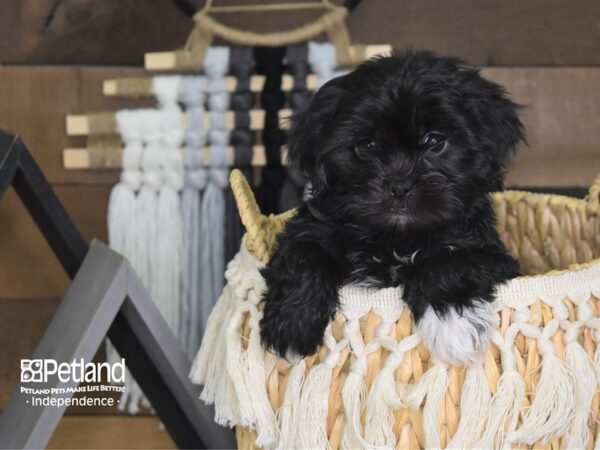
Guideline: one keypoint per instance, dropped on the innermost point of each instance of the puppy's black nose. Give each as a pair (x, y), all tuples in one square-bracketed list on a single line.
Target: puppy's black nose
[(401, 188)]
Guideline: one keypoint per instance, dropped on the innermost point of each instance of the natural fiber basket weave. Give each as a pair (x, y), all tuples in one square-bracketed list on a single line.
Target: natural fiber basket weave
[(373, 383)]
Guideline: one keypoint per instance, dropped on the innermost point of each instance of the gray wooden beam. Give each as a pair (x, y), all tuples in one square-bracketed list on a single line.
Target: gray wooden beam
[(107, 296)]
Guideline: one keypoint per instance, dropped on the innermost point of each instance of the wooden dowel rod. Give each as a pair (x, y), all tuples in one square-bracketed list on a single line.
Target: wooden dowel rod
[(142, 86), (110, 158), (105, 123)]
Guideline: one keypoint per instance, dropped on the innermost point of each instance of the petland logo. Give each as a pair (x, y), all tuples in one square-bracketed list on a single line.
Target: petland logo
[(39, 370)]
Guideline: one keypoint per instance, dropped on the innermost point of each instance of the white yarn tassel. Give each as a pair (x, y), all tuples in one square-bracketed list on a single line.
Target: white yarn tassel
[(386, 396), (146, 211), (578, 361), (432, 385), (552, 408), (354, 393), (235, 366), (256, 377), (212, 349), (121, 204), (474, 408), (506, 404), (288, 413), (314, 400)]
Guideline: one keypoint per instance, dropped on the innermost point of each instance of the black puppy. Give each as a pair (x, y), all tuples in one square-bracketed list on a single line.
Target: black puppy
[(401, 154)]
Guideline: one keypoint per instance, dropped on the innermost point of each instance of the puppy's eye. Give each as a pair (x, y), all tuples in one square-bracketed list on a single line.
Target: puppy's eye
[(362, 149), (434, 142)]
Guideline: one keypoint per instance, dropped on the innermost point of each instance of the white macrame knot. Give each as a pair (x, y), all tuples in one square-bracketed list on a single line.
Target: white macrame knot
[(571, 333), (173, 178), (332, 360), (546, 347), (173, 139), (166, 89), (521, 315), (254, 297), (394, 360), (359, 366), (585, 312), (260, 286), (128, 124), (384, 329), (132, 178), (132, 155), (351, 328), (560, 312), (508, 360), (172, 160), (152, 179), (152, 158)]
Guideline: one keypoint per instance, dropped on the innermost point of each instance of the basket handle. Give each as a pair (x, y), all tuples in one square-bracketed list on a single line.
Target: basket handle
[(254, 221), (594, 192)]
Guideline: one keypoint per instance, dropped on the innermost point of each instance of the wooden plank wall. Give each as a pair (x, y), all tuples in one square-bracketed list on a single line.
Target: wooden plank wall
[(54, 55)]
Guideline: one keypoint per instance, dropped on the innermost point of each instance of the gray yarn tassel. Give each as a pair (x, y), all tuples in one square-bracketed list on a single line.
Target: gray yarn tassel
[(212, 259), (192, 95)]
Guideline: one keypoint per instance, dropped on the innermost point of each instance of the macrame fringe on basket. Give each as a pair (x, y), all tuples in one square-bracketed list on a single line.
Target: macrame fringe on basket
[(373, 383)]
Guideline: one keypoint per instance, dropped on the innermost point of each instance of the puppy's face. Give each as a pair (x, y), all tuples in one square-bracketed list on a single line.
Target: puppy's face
[(405, 142)]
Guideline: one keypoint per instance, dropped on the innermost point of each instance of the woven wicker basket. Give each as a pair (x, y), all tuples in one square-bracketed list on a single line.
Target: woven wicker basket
[(537, 388)]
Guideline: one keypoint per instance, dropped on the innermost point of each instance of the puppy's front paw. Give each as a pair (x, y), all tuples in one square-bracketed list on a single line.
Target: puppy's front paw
[(292, 334), (459, 339)]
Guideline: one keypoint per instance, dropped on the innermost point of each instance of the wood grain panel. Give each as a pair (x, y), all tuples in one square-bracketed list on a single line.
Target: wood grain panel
[(35, 101), (484, 32), (28, 268), (562, 120), (91, 432)]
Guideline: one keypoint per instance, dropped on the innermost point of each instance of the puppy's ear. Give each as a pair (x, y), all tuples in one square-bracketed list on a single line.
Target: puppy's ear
[(496, 119), (305, 137)]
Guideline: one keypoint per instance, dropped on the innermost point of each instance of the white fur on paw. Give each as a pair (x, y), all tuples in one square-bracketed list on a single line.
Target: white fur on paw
[(292, 356), (459, 339)]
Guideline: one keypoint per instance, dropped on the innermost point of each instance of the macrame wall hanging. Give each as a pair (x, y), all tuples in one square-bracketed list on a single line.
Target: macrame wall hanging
[(172, 213)]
